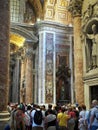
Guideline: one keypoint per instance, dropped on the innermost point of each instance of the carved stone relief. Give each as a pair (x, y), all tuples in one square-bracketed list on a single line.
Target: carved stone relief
[(90, 32), (75, 7), (51, 2), (91, 46), (91, 12), (87, 14), (95, 10)]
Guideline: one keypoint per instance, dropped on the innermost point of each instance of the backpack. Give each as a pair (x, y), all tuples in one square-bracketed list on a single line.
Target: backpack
[(38, 117), (7, 127), (29, 114), (27, 120), (71, 121), (96, 114)]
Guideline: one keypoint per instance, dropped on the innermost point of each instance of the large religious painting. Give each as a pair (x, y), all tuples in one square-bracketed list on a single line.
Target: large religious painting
[(62, 67)]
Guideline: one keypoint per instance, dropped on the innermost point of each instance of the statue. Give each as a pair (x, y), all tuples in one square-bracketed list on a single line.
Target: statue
[(94, 49), (23, 91)]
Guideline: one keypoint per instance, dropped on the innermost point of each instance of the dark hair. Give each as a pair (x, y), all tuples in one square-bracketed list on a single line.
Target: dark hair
[(83, 107), (29, 107), (63, 109), (49, 106)]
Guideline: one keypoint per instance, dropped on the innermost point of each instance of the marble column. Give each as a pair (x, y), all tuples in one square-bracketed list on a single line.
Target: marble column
[(75, 9), (4, 61), (29, 73)]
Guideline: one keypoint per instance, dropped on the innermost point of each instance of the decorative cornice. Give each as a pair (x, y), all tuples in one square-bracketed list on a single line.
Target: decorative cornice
[(25, 31), (75, 7), (44, 25), (92, 74)]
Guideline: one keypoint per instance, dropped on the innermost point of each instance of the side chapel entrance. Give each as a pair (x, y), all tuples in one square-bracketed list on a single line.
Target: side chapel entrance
[(94, 92)]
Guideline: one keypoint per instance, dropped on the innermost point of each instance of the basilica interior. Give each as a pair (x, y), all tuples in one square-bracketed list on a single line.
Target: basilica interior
[(40, 52), (45, 54)]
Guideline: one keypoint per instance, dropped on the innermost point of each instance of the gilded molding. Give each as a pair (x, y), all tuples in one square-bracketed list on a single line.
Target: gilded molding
[(75, 7)]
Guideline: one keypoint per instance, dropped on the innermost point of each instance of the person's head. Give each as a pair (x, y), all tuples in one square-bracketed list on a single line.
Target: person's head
[(49, 106), (79, 108), (29, 107), (37, 106), (43, 107), (83, 106), (21, 107), (63, 109), (94, 102)]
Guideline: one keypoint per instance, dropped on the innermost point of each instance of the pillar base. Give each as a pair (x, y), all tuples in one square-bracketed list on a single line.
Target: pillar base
[(4, 118)]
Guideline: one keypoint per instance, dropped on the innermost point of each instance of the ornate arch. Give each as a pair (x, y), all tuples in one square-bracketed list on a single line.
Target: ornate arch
[(87, 27), (20, 34)]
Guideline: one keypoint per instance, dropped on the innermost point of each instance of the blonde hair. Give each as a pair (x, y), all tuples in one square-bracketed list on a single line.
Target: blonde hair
[(94, 102)]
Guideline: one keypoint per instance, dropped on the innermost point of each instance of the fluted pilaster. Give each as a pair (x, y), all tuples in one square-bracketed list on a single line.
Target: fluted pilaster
[(75, 8), (29, 73)]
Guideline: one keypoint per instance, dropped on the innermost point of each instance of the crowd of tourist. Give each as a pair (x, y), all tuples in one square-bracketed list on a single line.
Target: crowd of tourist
[(55, 117)]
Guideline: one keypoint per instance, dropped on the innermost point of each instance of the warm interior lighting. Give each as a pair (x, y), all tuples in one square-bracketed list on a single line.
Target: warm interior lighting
[(17, 39)]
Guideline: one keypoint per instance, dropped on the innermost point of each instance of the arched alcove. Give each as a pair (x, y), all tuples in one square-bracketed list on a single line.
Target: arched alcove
[(88, 26), (89, 43), (20, 36)]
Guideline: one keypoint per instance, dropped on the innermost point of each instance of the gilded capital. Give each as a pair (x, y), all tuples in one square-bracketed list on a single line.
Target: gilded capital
[(75, 7)]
